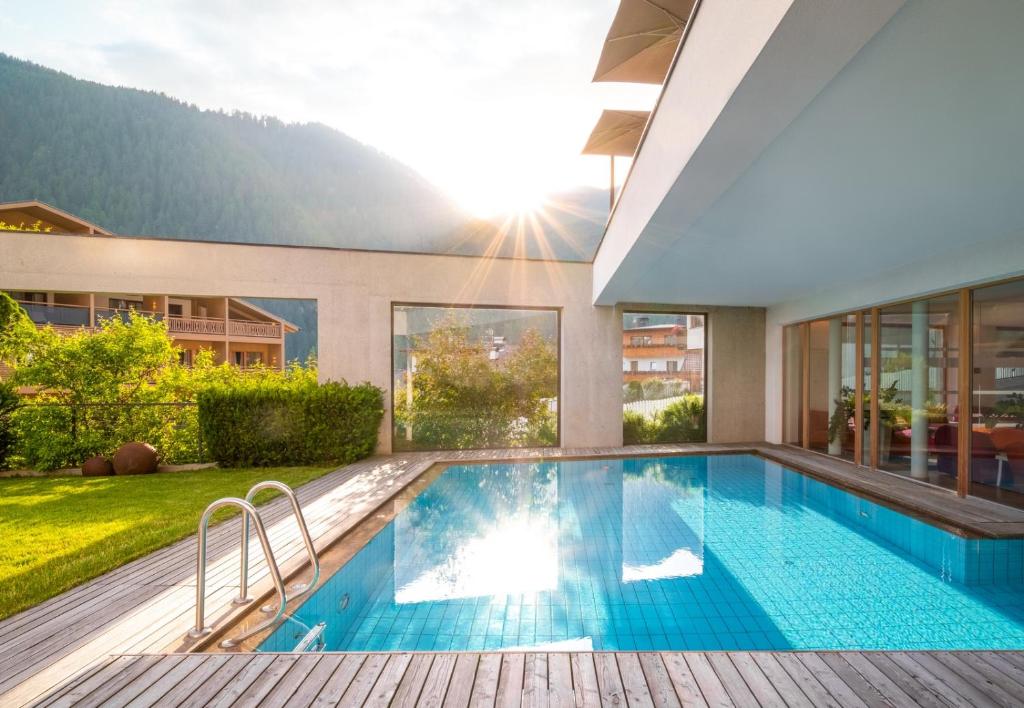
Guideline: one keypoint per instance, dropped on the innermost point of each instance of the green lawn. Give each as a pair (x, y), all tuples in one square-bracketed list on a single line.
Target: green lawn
[(58, 532)]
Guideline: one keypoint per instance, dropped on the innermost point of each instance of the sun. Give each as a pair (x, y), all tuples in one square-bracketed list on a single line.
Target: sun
[(494, 197)]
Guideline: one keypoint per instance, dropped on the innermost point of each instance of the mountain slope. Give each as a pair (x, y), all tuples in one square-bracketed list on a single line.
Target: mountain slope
[(141, 163)]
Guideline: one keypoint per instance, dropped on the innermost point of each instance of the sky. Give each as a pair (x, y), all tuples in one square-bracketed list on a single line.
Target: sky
[(490, 100)]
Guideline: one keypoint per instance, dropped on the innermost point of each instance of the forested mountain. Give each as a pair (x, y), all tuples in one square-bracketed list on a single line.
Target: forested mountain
[(142, 163)]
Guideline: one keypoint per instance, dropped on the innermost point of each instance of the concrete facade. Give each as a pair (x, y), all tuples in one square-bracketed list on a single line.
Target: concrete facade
[(355, 289)]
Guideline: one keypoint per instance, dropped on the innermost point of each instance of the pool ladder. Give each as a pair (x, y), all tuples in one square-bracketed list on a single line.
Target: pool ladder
[(249, 513)]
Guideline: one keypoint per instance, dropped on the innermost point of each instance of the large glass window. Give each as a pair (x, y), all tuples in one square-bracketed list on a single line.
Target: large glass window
[(997, 393), (474, 377), (832, 383), (917, 394), (663, 378)]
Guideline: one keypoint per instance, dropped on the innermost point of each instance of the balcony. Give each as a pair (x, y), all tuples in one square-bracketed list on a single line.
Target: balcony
[(68, 317), (195, 325), (249, 328)]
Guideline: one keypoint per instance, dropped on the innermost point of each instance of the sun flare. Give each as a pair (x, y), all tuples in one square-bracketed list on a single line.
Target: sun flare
[(490, 199)]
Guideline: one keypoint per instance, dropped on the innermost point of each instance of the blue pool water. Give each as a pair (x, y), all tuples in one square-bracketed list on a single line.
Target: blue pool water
[(709, 552)]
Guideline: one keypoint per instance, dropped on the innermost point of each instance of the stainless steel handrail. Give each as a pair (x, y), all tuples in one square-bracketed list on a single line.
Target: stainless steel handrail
[(248, 510), (300, 588)]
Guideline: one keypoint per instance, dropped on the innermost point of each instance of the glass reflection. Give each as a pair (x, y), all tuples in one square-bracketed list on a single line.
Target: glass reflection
[(918, 397), (997, 393)]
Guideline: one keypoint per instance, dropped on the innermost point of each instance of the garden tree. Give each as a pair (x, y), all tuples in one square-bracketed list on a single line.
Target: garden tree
[(117, 363), (17, 332), (460, 398), (94, 391)]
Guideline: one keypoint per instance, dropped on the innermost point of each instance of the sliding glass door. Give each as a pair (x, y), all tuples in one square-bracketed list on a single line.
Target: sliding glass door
[(918, 393), (932, 389)]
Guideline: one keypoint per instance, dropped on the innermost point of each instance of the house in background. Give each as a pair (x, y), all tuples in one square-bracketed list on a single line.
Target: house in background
[(666, 350), (33, 215), (237, 331)]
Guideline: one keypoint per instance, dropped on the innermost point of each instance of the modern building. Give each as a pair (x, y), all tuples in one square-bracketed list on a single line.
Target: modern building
[(855, 171), (834, 186)]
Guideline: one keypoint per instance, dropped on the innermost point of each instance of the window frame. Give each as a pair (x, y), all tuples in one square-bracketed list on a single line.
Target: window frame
[(390, 403)]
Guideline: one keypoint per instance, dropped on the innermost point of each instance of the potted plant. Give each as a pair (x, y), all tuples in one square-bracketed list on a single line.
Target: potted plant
[(889, 412)]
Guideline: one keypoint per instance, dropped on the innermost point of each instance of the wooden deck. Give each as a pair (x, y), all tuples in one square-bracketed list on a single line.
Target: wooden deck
[(147, 605), (637, 680)]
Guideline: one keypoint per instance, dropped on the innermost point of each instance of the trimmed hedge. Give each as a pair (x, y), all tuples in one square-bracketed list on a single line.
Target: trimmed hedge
[(276, 425)]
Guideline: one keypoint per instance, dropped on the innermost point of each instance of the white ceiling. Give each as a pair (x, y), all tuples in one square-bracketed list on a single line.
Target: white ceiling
[(915, 148)]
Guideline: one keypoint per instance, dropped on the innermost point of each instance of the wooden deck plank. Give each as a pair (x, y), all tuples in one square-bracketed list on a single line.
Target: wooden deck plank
[(905, 661), (897, 679), (510, 681), (560, 693), (608, 680), (207, 689), (364, 680), (891, 691), (833, 683), (388, 681), (535, 681), (485, 686), (921, 694), (266, 681), (760, 686), (988, 681), (663, 693), (292, 680), (734, 684), (309, 688), (943, 681), (710, 685), (586, 692), (787, 688), (436, 685), (166, 682), (460, 688), (805, 679), (1007, 668), (334, 688), (412, 683), (195, 680), (634, 683), (231, 692), (119, 672)]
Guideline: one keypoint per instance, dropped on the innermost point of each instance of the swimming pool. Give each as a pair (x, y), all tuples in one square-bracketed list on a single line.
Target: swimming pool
[(697, 552)]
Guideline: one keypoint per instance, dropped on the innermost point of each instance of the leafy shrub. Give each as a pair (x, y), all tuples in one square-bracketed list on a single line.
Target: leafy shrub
[(8, 405), (682, 421), (632, 391), (637, 429), (280, 424)]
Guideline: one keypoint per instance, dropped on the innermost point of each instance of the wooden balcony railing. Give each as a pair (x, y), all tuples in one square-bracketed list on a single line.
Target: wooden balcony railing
[(246, 328), (195, 325)]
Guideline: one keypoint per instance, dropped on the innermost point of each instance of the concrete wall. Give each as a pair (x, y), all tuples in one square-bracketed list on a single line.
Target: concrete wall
[(736, 368), (355, 289)]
